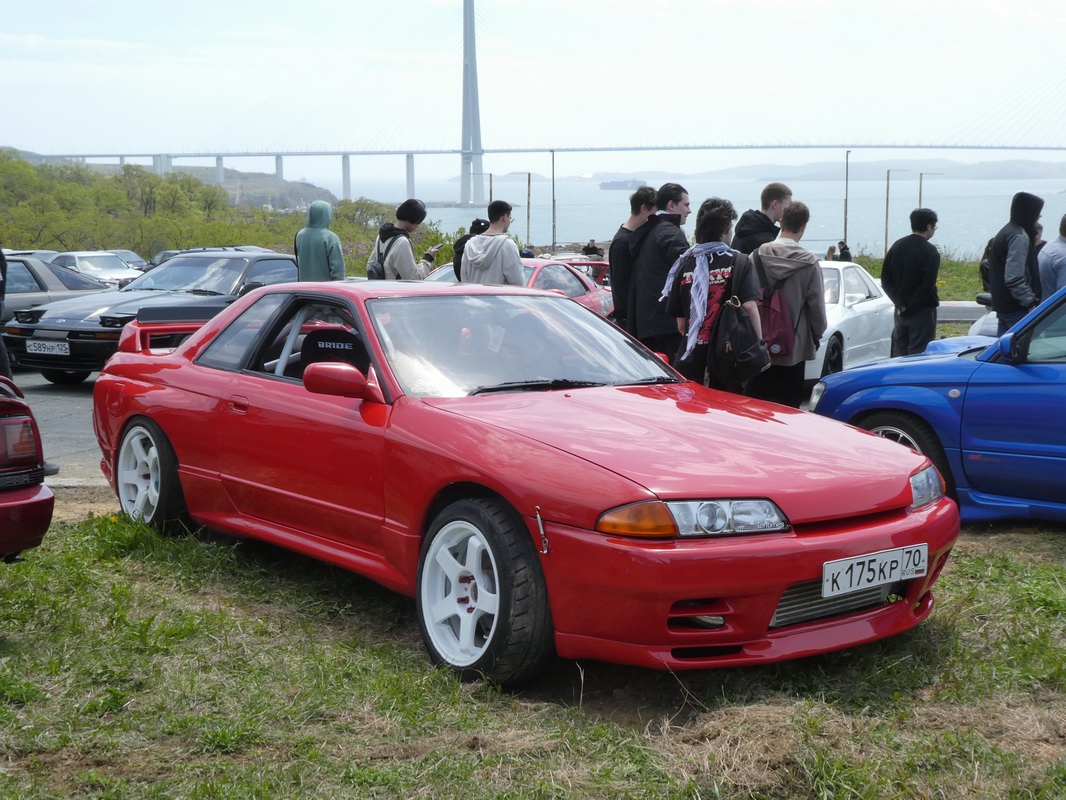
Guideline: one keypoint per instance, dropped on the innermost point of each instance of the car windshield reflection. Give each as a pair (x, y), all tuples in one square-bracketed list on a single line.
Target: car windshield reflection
[(453, 346), (214, 276)]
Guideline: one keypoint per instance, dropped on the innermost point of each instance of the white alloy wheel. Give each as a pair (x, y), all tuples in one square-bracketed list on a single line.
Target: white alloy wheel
[(460, 593), (139, 474)]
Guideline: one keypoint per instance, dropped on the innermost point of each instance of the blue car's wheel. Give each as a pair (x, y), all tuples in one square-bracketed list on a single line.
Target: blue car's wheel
[(913, 432)]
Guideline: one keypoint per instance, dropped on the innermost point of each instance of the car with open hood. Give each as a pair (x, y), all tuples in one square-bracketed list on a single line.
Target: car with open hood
[(536, 479)]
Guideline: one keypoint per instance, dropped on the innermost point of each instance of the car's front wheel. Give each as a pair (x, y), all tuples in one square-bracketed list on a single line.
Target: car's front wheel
[(834, 357), (482, 601), (915, 433), (65, 377), (146, 478)]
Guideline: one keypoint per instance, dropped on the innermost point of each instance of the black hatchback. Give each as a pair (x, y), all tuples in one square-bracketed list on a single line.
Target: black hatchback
[(68, 340)]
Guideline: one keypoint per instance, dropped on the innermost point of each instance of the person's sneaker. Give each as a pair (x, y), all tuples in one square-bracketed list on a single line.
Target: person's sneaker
[(50, 468)]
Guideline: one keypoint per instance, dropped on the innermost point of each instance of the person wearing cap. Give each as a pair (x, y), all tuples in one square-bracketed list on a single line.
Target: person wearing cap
[(319, 256), (399, 258)]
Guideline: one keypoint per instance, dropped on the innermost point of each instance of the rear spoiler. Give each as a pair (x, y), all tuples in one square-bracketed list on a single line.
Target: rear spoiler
[(161, 326)]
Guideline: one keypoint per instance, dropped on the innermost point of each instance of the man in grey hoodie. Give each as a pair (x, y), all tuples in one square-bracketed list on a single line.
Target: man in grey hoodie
[(492, 257), (318, 249), (798, 276)]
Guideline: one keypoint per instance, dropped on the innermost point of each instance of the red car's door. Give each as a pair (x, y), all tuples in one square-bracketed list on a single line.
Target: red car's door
[(310, 463)]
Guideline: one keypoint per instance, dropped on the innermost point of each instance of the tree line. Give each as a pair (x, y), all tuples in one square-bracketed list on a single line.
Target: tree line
[(73, 207)]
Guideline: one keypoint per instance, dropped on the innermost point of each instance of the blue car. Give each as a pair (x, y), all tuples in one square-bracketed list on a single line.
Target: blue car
[(990, 413)]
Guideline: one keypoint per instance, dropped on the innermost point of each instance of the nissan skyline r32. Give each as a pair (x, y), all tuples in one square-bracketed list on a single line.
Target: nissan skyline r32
[(539, 482)]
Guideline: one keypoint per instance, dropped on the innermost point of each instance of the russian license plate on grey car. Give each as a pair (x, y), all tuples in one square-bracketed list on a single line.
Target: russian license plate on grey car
[(48, 348), (874, 569)]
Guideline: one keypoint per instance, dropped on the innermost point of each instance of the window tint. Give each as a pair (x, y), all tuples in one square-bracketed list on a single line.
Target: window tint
[(20, 279), (63, 261), (228, 349), (559, 278), (270, 271), (75, 280)]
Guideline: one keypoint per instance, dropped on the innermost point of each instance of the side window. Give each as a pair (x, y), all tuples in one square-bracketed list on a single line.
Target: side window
[(20, 279), (74, 280), (559, 278), (64, 261), (270, 271), (230, 347), (854, 284), (309, 333), (1048, 340)]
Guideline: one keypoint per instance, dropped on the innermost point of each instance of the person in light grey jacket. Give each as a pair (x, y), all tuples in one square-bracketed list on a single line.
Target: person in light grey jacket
[(492, 257)]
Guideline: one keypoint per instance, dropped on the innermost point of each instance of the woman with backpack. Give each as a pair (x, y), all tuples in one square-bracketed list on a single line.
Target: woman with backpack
[(700, 282), (793, 273)]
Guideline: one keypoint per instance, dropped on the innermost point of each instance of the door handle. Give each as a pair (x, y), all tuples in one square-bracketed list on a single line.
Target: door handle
[(238, 404)]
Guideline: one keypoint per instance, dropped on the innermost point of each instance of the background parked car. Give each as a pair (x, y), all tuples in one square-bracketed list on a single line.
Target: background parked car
[(131, 258), (165, 255), (32, 282), (25, 502), (69, 340), (43, 255), (102, 265), (552, 275), (860, 321), (989, 416)]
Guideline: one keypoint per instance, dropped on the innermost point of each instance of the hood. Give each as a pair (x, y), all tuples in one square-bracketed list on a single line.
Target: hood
[(752, 222), (90, 307), (319, 214), (481, 251), (683, 441), (782, 257), (390, 231), (1025, 210)]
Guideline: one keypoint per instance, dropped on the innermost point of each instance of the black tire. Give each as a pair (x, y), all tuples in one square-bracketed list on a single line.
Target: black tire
[(65, 377), (834, 357), (913, 432), (489, 566), (146, 478)]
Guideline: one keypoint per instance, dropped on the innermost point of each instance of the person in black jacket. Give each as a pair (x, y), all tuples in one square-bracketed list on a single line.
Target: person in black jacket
[(477, 227), (759, 227), (909, 279), (655, 246), (843, 251), (619, 260), (1014, 276)]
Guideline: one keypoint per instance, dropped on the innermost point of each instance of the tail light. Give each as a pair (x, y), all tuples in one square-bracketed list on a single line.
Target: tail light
[(21, 461)]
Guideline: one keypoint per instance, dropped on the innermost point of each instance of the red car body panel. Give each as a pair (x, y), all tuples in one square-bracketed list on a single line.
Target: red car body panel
[(26, 504), (358, 483)]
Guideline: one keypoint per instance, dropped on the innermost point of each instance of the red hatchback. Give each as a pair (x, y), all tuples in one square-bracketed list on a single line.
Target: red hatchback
[(25, 502), (536, 479)]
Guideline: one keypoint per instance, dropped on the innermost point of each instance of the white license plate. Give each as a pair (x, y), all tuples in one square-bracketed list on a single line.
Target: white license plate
[(48, 348), (874, 569)]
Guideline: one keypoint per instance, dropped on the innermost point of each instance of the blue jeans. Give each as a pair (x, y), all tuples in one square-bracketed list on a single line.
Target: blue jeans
[(1007, 320)]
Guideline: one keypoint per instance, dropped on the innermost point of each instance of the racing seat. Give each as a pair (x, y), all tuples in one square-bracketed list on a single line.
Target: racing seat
[(337, 345)]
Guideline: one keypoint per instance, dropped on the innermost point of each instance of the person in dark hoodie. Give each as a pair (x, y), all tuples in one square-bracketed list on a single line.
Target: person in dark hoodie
[(908, 277), (318, 249), (759, 227), (1014, 276), (398, 257), (477, 227), (654, 248)]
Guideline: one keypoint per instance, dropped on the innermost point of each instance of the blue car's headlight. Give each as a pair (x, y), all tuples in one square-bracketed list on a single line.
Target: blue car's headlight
[(726, 517), (816, 395), (926, 487)]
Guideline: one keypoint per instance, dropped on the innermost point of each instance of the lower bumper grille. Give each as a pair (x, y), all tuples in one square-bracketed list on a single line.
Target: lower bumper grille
[(803, 602)]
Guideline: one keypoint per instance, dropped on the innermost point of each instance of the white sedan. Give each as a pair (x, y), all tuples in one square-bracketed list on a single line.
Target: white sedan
[(860, 320)]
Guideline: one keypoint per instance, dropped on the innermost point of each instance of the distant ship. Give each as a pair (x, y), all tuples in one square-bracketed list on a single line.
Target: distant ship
[(630, 183)]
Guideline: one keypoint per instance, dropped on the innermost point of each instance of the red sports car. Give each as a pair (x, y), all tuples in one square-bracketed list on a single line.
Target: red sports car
[(25, 502), (537, 480)]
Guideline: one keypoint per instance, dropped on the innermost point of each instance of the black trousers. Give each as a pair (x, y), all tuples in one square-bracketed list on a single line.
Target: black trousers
[(782, 385), (913, 333)]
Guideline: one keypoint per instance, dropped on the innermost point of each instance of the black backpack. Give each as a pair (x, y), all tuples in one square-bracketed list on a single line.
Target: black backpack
[(375, 270)]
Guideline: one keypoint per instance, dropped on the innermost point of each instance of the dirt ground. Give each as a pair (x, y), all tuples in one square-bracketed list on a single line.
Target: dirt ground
[(74, 503)]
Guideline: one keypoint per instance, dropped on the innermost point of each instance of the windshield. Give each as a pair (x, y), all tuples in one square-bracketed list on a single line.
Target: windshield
[(102, 263), (452, 346), (184, 274)]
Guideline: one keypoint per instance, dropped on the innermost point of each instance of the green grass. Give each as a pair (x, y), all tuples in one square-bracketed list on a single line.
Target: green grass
[(135, 666), (957, 280)]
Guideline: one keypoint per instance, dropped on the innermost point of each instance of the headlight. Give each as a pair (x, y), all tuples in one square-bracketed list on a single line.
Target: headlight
[(690, 518), (726, 517), (816, 395), (926, 487)]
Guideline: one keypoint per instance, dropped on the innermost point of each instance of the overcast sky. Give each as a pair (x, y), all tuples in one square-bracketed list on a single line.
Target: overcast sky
[(352, 74)]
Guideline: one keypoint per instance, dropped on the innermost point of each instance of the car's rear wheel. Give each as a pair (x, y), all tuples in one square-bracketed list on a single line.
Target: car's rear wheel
[(915, 433), (834, 357), (482, 601), (65, 377), (146, 478)]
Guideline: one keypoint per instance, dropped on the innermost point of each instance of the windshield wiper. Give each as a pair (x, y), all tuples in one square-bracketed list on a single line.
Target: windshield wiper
[(536, 386), (205, 292), (649, 381)]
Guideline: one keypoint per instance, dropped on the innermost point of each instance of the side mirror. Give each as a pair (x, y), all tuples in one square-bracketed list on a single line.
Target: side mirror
[(984, 299), (1006, 348), (853, 299), (335, 379), (249, 287)]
